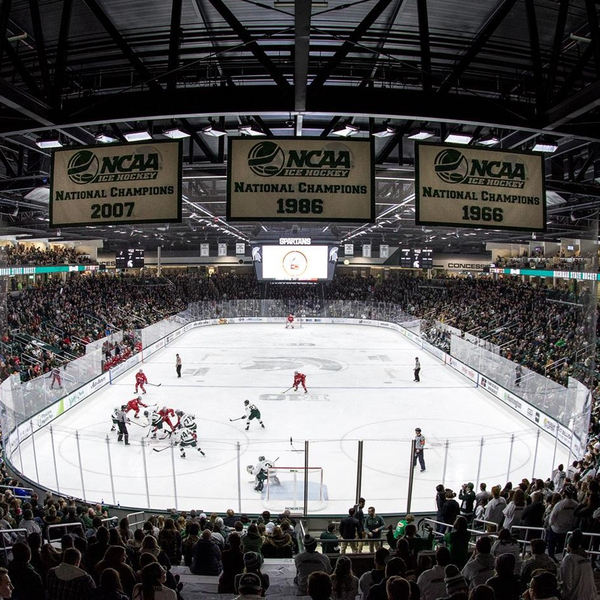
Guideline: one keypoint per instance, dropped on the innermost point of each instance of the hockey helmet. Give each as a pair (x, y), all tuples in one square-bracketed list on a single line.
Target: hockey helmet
[(250, 468), (139, 398), (164, 408), (246, 402), (123, 406), (140, 371), (261, 458), (146, 413), (179, 413), (295, 372)]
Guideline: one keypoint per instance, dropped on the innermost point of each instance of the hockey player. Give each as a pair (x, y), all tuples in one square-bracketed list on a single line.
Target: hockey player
[(261, 472), (185, 421), (157, 422), (290, 322), (188, 438), (299, 379), (55, 375), (134, 405), (252, 413), (114, 418), (121, 418), (140, 380), (166, 414)]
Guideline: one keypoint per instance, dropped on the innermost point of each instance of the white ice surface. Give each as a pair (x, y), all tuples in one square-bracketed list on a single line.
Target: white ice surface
[(360, 383)]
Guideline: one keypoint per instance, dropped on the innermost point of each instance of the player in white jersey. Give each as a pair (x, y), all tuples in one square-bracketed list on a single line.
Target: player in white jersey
[(252, 413), (261, 471), (185, 421), (188, 439)]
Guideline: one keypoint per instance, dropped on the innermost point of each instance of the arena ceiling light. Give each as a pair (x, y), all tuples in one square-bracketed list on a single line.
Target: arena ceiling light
[(51, 142), (384, 130), (489, 140), (175, 133), (137, 135), (421, 134), (251, 130), (345, 130), (105, 138), (458, 137), (213, 130), (544, 145)]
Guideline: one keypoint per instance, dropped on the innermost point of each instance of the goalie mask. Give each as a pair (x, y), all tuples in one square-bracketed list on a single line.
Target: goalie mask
[(250, 468)]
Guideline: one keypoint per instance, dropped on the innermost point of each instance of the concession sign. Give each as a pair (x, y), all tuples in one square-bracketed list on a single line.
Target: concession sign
[(116, 183), (470, 187), (300, 179)]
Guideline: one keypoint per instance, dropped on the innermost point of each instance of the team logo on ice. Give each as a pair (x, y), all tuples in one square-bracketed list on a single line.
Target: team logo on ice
[(291, 364)]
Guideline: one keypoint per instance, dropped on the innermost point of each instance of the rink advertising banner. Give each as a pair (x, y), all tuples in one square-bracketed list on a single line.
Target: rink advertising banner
[(471, 187), (116, 183), (300, 179)]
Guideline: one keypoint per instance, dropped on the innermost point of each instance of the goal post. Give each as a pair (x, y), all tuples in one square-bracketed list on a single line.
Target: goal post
[(285, 487)]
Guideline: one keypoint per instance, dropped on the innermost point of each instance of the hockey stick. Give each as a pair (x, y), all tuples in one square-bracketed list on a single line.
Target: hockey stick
[(154, 384), (161, 449), (291, 386), (138, 424), (237, 419)]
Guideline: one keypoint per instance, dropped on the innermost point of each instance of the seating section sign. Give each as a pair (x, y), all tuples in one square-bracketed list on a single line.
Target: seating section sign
[(300, 179), (463, 186), (116, 183)]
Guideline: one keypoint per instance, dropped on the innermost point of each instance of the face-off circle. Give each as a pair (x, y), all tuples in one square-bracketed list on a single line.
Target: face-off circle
[(295, 263)]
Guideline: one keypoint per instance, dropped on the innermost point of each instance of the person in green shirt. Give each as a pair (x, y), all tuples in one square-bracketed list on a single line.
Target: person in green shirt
[(374, 525)]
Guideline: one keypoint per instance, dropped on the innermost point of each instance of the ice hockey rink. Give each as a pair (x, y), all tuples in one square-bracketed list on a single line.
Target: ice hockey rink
[(360, 387)]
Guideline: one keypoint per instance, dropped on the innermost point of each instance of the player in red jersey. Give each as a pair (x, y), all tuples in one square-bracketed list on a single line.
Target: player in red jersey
[(166, 414), (290, 321), (134, 405), (299, 379), (140, 380)]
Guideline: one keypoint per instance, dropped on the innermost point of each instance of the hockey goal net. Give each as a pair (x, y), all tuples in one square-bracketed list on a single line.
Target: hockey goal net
[(285, 488)]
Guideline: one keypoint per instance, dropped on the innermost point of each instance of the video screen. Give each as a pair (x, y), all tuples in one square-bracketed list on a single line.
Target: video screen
[(132, 258), (295, 263), (416, 258)]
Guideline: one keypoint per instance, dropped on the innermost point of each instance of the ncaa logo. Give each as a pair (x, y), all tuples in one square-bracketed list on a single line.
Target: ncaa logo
[(83, 167), (266, 159), (451, 166)]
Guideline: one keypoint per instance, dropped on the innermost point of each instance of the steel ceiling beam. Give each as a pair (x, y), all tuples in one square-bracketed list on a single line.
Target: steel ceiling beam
[(559, 34), (425, 45), (592, 16), (536, 59), (575, 73), (40, 46), (4, 18), (302, 14), (579, 104), (60, 65), (129, 53), (481, 38), (250, 42), (174, 43), (349, 44)]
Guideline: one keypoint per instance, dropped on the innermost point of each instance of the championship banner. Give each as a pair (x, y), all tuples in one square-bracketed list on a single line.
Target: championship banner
[(116, 183), (471, 187), (300, 179)]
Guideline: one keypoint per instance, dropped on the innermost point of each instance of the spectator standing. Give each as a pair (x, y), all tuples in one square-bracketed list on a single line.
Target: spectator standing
[(558, 478), (348, 530), (308, 562), (514, 510), (374, 525), (329, 541), (450, 508), (467, 505), (576, 573), (494, 511), (457, 541), (562, 520), (360, 515)]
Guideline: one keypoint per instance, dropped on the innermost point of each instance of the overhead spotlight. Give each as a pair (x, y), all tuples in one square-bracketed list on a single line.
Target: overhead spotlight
[(420, 134), (137, 135), (105, 138), (384, 130), (345, 130), (458, 137), (213, 130), (545, 145), (251, 130), (489, 140), (175, 133), (50, 142)]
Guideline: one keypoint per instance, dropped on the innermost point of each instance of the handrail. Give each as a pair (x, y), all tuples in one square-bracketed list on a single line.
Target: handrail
[(14, 538)]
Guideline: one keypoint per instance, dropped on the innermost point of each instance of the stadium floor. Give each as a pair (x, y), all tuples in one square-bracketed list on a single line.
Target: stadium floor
[(360, 384)]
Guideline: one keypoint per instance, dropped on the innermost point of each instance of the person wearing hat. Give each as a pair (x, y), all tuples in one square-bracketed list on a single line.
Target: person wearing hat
[(562, 520), (456, 585), (252, 564), (308, 562), (576, 572), (467, 501), (249, 586), (419, 449)]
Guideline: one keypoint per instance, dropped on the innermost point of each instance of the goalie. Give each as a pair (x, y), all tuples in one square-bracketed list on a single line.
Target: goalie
[(261, 472)]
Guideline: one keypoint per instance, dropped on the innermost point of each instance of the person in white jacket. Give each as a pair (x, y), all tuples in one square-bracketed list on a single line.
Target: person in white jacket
[(576, 573)]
